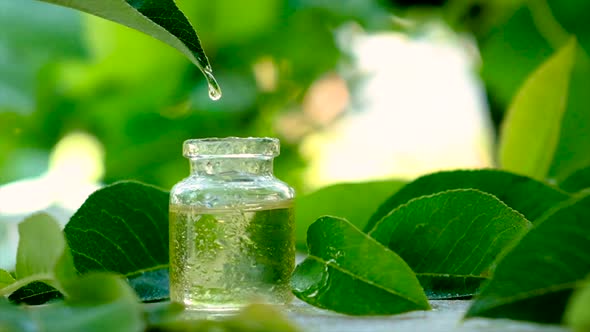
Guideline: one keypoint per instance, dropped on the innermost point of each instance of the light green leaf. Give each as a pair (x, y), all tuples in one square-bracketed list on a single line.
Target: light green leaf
[(529, 197), (99, 302), (571, 153), (160, 19), (452, 238), (531, 128), (252, 318), (5, 279), (348, 272), (578, 308), (354, 202), (41, 245), (121, 228), (42, 256), (535, 279)]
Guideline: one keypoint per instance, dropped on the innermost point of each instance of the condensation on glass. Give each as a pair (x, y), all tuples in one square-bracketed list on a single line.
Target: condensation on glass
[(231, 226)]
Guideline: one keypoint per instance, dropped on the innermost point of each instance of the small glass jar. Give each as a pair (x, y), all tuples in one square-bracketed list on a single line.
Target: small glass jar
[(231, 226)]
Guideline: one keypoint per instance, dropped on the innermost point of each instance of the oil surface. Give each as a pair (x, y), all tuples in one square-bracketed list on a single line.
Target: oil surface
[(223, 259)]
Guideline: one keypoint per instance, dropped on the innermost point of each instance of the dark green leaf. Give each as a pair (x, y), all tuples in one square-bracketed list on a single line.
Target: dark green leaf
[(578, 307), (151, 285), (346, 271), (160, 19), (121, 228), (354, 202), (99, 302), (35, 293), (439, 286), (529, 197), (454, 236), (577, 181), (534, 280), (528, 141)]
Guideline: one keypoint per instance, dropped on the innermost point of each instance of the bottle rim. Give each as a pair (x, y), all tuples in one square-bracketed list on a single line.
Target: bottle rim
[(231, 147)]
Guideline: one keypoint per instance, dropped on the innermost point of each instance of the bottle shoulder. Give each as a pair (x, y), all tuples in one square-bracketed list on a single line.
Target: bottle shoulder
[(211, 192)]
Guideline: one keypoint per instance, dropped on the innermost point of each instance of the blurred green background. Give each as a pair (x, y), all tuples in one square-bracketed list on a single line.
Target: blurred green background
[(63, 72)]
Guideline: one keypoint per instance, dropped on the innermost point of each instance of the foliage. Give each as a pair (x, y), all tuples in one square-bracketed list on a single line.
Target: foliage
[(433, 234), (99, 301), (343, 264)]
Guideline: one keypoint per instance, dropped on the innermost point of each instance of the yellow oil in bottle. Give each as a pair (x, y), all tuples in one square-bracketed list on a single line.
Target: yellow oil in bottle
[(222, 259)]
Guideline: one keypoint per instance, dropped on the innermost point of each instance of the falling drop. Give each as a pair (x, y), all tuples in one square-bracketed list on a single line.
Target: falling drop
[(214, 89)]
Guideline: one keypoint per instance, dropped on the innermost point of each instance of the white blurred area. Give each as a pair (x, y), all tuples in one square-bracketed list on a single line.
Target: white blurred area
[(76, 166), (419, 108)]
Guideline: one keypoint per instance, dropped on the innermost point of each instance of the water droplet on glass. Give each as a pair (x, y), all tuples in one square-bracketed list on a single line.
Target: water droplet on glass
[(214, 89)]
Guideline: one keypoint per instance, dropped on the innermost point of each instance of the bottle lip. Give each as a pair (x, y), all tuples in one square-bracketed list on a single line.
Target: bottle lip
[(231, 147)]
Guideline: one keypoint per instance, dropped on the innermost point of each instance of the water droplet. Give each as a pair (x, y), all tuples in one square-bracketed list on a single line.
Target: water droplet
[(214, 89)]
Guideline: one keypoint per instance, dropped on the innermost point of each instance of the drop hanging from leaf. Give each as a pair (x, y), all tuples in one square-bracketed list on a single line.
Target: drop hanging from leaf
[(214, 89)]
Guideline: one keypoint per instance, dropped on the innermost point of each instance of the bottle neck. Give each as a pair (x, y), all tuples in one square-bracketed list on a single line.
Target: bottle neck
[(228, 165)]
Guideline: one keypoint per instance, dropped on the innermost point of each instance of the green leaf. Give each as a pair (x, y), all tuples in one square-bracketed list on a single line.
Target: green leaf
[(252, 318), (529, 197), (121, 228), (260, 318), (452, 237), (160, 19), (577, 181), (35, 293), (571, 153), (531, 128), (42, 256), (99, 302), (354, 202), (578, 307), (535, 279), (41, 246), (5, 279), (348, 272)]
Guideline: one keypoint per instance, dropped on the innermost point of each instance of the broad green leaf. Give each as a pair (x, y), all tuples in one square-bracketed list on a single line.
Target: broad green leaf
[(348, 272), (42, 256), (529, 197), (354, 202), (121, 228), (160, 19), (99, 302), (577, 181), (535, 279), (5, 279), (531, 128), (578, 308), (452, 238)]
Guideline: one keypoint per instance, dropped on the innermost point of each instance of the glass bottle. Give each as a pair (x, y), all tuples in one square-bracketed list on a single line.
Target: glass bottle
[(231, 226)]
